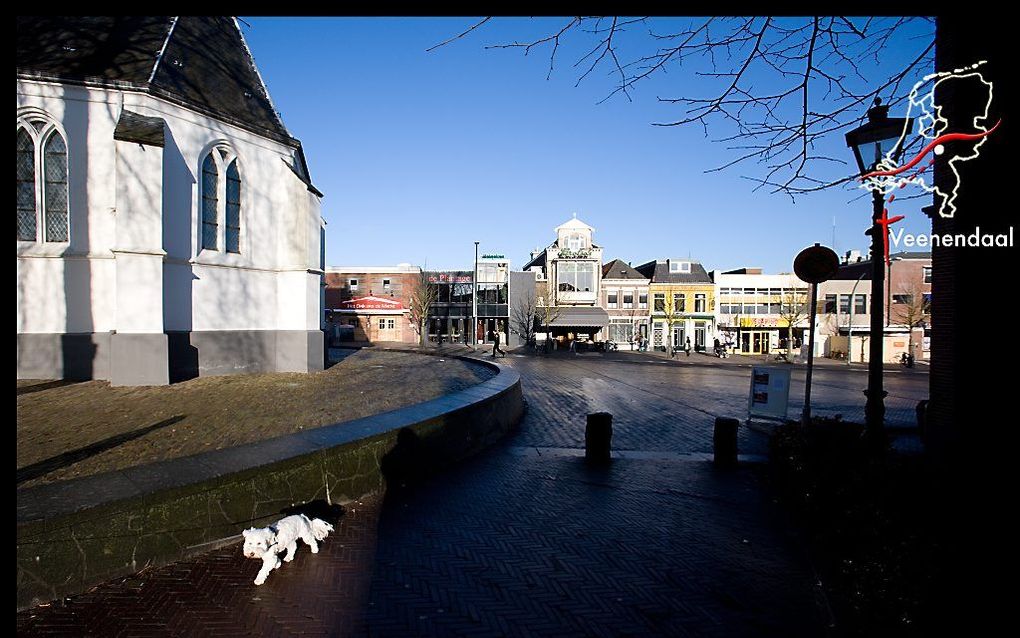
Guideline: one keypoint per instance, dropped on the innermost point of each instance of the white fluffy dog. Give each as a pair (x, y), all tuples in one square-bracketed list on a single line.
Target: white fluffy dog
[(267, 542)]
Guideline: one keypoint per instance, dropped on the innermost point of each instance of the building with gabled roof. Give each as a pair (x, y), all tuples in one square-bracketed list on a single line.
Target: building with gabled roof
[(567, 282), (683, 304), (167, 222), (625, 298)]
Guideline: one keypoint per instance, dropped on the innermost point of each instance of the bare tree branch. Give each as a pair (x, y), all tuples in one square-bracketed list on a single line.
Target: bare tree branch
[(820, 74)]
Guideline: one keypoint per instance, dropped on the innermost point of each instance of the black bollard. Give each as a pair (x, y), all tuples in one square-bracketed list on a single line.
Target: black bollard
[(598, 436), (724, 442)]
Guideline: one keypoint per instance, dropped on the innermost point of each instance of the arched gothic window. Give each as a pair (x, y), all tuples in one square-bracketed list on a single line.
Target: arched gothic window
[(42, 204), (221, 200)]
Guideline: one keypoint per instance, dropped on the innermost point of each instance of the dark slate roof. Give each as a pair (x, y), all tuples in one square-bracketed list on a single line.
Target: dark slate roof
[(659, 273), (617, 269), (132, 127), (199, 62), (538, 260)]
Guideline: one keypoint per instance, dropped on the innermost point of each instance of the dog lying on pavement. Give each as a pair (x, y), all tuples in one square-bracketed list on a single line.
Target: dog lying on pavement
[(267, 542)]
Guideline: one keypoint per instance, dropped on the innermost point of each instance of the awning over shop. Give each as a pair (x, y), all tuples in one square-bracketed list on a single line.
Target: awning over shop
[(580, 317)]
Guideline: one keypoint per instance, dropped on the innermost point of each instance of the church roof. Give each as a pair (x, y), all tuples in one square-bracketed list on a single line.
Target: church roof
[(199, 62)]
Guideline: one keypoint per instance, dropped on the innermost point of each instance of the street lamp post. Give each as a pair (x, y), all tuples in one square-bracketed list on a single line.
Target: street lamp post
[(871, 142), (474, 302)]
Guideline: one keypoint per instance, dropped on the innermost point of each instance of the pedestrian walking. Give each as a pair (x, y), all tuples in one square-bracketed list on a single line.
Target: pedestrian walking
[(495, 344), (688, 347)]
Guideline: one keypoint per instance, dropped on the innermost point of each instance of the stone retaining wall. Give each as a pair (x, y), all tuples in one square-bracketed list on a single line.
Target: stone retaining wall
[(76, 534)]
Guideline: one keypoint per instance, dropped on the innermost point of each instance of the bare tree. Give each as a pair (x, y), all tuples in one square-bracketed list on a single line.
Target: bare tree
[(672, 311), (547, 312), (525, 317), (821, 74), (423, 294), (793, 309), (914, 309)]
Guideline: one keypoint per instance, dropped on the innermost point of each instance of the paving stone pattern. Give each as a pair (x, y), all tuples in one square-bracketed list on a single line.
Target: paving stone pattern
[(524, 544)]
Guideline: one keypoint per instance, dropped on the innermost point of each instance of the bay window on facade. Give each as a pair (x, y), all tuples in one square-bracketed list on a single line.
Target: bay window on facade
[(573, 276)]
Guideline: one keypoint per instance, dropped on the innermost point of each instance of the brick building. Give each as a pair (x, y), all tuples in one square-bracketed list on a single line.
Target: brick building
[(844, 307), (370, 303)]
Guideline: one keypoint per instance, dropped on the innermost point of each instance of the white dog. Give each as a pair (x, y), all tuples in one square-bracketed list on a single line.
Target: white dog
[(267, 542)]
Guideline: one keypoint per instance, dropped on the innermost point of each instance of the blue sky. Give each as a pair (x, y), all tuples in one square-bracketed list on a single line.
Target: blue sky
[(419, 154)]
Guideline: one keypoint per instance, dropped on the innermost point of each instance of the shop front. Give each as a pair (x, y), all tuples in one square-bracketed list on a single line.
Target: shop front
[(450, 318), (758, 335), (576, 323), (373, 319)]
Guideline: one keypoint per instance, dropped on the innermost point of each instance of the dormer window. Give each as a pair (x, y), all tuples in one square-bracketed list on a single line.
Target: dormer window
[(575, 242), (680, 266)]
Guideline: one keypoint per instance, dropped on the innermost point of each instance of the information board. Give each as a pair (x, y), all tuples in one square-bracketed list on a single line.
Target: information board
[(770, 392)]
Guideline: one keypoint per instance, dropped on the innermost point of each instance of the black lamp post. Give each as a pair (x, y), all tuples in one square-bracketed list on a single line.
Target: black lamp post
[(871, 142)]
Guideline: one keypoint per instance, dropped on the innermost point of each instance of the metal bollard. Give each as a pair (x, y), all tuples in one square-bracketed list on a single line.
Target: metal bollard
[(724, 442), (598, 436)]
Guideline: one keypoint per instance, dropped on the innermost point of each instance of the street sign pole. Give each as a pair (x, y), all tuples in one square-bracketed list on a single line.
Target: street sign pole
[(813, 265), (806, 414)]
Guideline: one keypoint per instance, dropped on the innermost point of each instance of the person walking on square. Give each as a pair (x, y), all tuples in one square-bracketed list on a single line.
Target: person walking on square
[(687, 348), (495, 344)]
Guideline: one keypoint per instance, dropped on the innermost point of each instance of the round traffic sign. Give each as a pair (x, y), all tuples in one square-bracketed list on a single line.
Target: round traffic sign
[(816, 264)]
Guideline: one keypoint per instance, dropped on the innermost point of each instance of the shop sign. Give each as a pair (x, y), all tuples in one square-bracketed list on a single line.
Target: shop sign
[(371, 303), (493, 256), (770, 392), (762, 322), (446, 278)]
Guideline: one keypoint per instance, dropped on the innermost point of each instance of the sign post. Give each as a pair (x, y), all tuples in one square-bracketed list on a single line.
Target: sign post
[(813, 265)]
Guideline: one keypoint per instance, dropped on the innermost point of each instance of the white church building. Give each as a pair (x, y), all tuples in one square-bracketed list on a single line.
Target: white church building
[(167, 223)]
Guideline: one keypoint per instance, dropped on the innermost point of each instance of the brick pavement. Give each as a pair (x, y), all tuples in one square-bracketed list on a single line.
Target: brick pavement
[(518, 542)]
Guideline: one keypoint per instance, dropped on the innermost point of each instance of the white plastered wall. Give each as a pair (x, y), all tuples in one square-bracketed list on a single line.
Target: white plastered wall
[(71, 287)]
